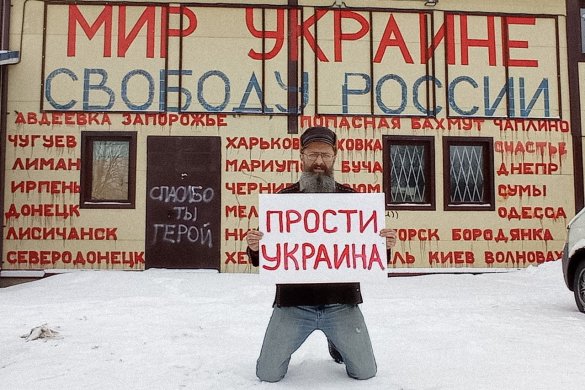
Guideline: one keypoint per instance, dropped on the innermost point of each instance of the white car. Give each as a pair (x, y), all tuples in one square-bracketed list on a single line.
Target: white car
[(574, 258)]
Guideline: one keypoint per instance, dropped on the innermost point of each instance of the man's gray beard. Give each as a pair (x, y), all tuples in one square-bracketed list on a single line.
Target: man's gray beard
[(317, 182)]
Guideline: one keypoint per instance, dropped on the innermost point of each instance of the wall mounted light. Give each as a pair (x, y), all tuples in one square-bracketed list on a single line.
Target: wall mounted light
[(431, 3)]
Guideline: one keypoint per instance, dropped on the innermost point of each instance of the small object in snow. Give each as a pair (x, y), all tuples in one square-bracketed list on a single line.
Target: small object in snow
[(41, 332)]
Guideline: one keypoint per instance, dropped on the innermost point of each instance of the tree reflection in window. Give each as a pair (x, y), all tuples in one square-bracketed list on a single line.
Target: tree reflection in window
[(110, 170)]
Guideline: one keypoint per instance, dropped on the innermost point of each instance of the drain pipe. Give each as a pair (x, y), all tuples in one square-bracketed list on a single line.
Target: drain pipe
[(4, 43)]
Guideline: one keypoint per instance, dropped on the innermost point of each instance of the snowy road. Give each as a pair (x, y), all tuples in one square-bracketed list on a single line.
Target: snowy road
[(187, 330)]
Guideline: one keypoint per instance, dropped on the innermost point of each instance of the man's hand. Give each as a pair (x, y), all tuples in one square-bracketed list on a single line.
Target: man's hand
[(253, 238), (390, 235)]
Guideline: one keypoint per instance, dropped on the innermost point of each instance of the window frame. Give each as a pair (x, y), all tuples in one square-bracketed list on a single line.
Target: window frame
[(86, 174), (505, 26), (429, 143), (488, 173), (582, 28)]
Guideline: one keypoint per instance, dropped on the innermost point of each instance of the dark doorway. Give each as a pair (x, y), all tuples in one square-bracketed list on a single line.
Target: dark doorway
[(183, 202)]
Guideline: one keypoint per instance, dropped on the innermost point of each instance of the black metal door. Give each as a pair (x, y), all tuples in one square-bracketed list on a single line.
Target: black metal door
[(183, 202)]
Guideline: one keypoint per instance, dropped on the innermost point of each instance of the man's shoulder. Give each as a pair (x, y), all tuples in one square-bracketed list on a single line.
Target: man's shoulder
[(343, 188), (292, 189), (296, 188)]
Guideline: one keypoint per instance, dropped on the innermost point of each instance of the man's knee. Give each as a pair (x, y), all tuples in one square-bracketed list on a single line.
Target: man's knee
[(269, 374), (268, 377), (362, 372)]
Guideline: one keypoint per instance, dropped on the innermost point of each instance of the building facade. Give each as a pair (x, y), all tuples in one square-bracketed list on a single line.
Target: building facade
[(139, 134)]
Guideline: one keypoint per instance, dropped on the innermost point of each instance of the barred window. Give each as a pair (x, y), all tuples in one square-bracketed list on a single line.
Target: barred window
[(108, 169), (468, 179), (409, 183)]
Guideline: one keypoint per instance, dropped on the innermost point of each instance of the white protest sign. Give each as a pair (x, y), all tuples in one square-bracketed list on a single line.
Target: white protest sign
[(322, 237)]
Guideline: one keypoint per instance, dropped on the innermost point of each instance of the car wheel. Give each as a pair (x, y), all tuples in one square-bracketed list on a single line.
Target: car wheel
[(579, 286)]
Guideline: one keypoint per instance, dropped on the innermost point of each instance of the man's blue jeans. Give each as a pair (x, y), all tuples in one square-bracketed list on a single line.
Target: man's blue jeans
[(289, 327)]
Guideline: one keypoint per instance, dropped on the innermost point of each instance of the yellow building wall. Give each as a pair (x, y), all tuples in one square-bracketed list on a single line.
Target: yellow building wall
[(48, 106)]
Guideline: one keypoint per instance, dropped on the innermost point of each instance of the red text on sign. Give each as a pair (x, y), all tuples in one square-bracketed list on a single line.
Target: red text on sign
[(324, 221)]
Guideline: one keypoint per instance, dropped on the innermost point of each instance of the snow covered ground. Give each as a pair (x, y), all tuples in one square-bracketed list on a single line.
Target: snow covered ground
[(162, 329)]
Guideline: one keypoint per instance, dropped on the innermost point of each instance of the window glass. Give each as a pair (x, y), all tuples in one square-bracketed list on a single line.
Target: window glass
[(466, 173), (407, 176), (110, 170)]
